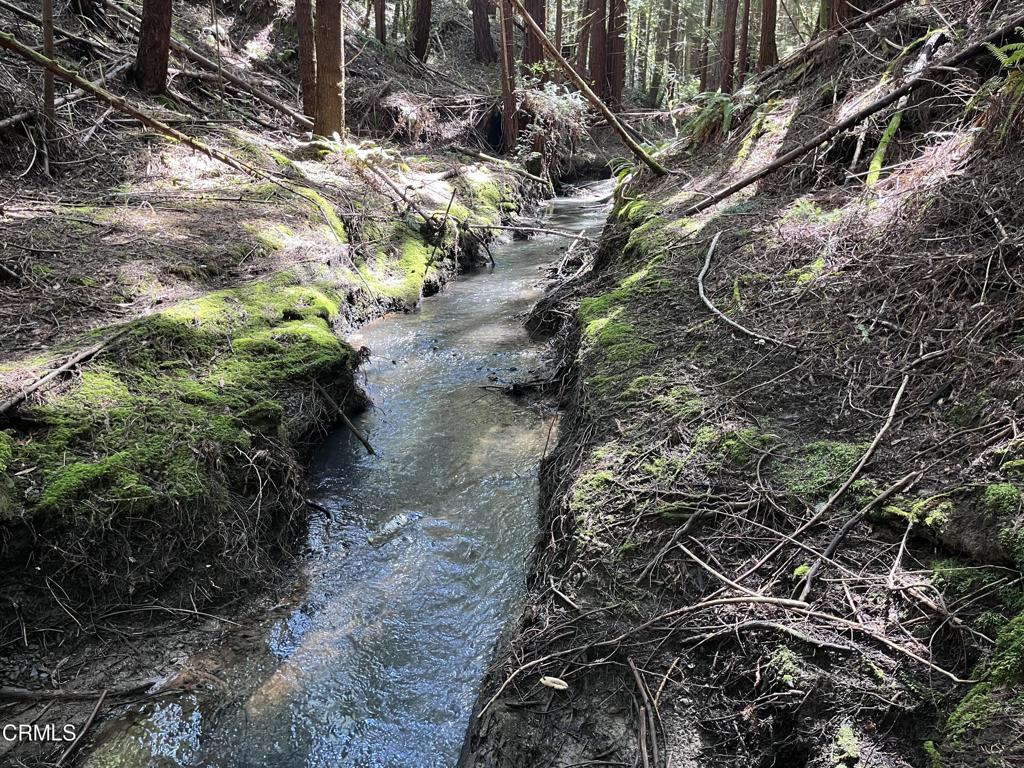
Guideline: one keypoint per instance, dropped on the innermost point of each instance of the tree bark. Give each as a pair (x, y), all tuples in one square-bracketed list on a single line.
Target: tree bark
[(744, 54), (49, 110), (509, 113), (483, 43), (768, 52), (705, 44), (380, 29), (727, 52), (599, 48), (307, 55), (154, 46), (616, 52), (558, 25), (587, 9), (420, 28), (662, 47), (533, 51), (672, 55), (330, 75)]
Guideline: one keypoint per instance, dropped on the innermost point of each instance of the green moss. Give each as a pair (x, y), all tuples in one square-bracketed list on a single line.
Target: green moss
[(974, 713), (6, 451), (1013, 469), (933, 511), (932, 753), (819, 467), (273, 237), (801, 276), (323, 213), (846, 747), (1007, 665), (808, 211), (783, 664), (801, 571), (741, 445), (1000, 501)]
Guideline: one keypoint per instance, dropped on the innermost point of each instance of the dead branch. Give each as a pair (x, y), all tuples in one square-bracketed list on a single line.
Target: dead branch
[(718, 312), (344, 417), (924, 77)]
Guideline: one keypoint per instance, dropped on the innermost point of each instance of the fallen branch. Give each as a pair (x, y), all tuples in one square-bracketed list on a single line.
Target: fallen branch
[(81, 731), (344, 417), (593, 98), (719, 313), (504, 164), (538, 230), (71, 362), (924, 77), (78, 93)]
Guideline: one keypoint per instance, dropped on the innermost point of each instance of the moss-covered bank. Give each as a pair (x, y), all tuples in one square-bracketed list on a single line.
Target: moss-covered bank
[(168, 466)]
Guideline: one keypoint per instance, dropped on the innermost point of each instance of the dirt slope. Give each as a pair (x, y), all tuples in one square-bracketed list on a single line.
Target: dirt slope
[(856, 402)]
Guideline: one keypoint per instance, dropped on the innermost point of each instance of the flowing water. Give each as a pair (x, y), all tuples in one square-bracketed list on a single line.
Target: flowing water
[(419, 564)]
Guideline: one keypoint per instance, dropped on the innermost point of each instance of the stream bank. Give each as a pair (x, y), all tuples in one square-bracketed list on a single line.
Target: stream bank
[(155, 482), (781, 523)]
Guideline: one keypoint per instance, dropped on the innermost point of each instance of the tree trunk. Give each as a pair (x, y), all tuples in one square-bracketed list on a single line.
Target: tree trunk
[(509, 117), (767, 51), (599, 49), (727, 54), (705, 44), (672, 54), (154, 46), (558, 26), (330, 69), (662, 24), (616, 52), (49, 110), (380, 29), (482, 41), (742, 60), (307, 55), (587, 9), (419, 33), (533, 51)]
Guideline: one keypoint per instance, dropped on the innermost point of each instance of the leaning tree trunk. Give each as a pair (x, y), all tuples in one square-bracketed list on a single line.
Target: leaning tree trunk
[(307, 55), (767, 51), (330, 69), (154, 46), (616, 52), (742, 59), (419, 33), (483, 43), (727, 54)]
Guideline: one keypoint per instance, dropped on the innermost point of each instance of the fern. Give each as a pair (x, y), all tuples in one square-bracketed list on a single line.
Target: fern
[(1010, 55)]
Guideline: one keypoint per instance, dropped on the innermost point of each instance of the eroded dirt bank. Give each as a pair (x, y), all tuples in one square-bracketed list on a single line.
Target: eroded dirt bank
[(789, 534)]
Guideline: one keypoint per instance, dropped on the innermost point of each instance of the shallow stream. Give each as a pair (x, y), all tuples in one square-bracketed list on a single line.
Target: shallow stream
[(419, 564)]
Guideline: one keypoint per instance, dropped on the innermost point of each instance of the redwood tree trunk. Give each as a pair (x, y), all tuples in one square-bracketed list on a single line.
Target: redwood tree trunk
[(533, 51), (599, 49), (583, 45), (482, 41), (509, 115), (741, 64), (616, 52), (420, 28), (662, 47), (330, 69), (154, 46), (727, 54), (767, 51), (307, 55), (380, 22), (705, 44)]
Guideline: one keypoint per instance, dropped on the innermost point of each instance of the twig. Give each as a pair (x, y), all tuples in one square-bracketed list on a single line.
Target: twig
[(716, 311), (74, 360), (81, 733), (348, 422)]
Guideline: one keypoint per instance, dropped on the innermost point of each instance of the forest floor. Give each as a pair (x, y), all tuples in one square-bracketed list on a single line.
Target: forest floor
[(789, 534)]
